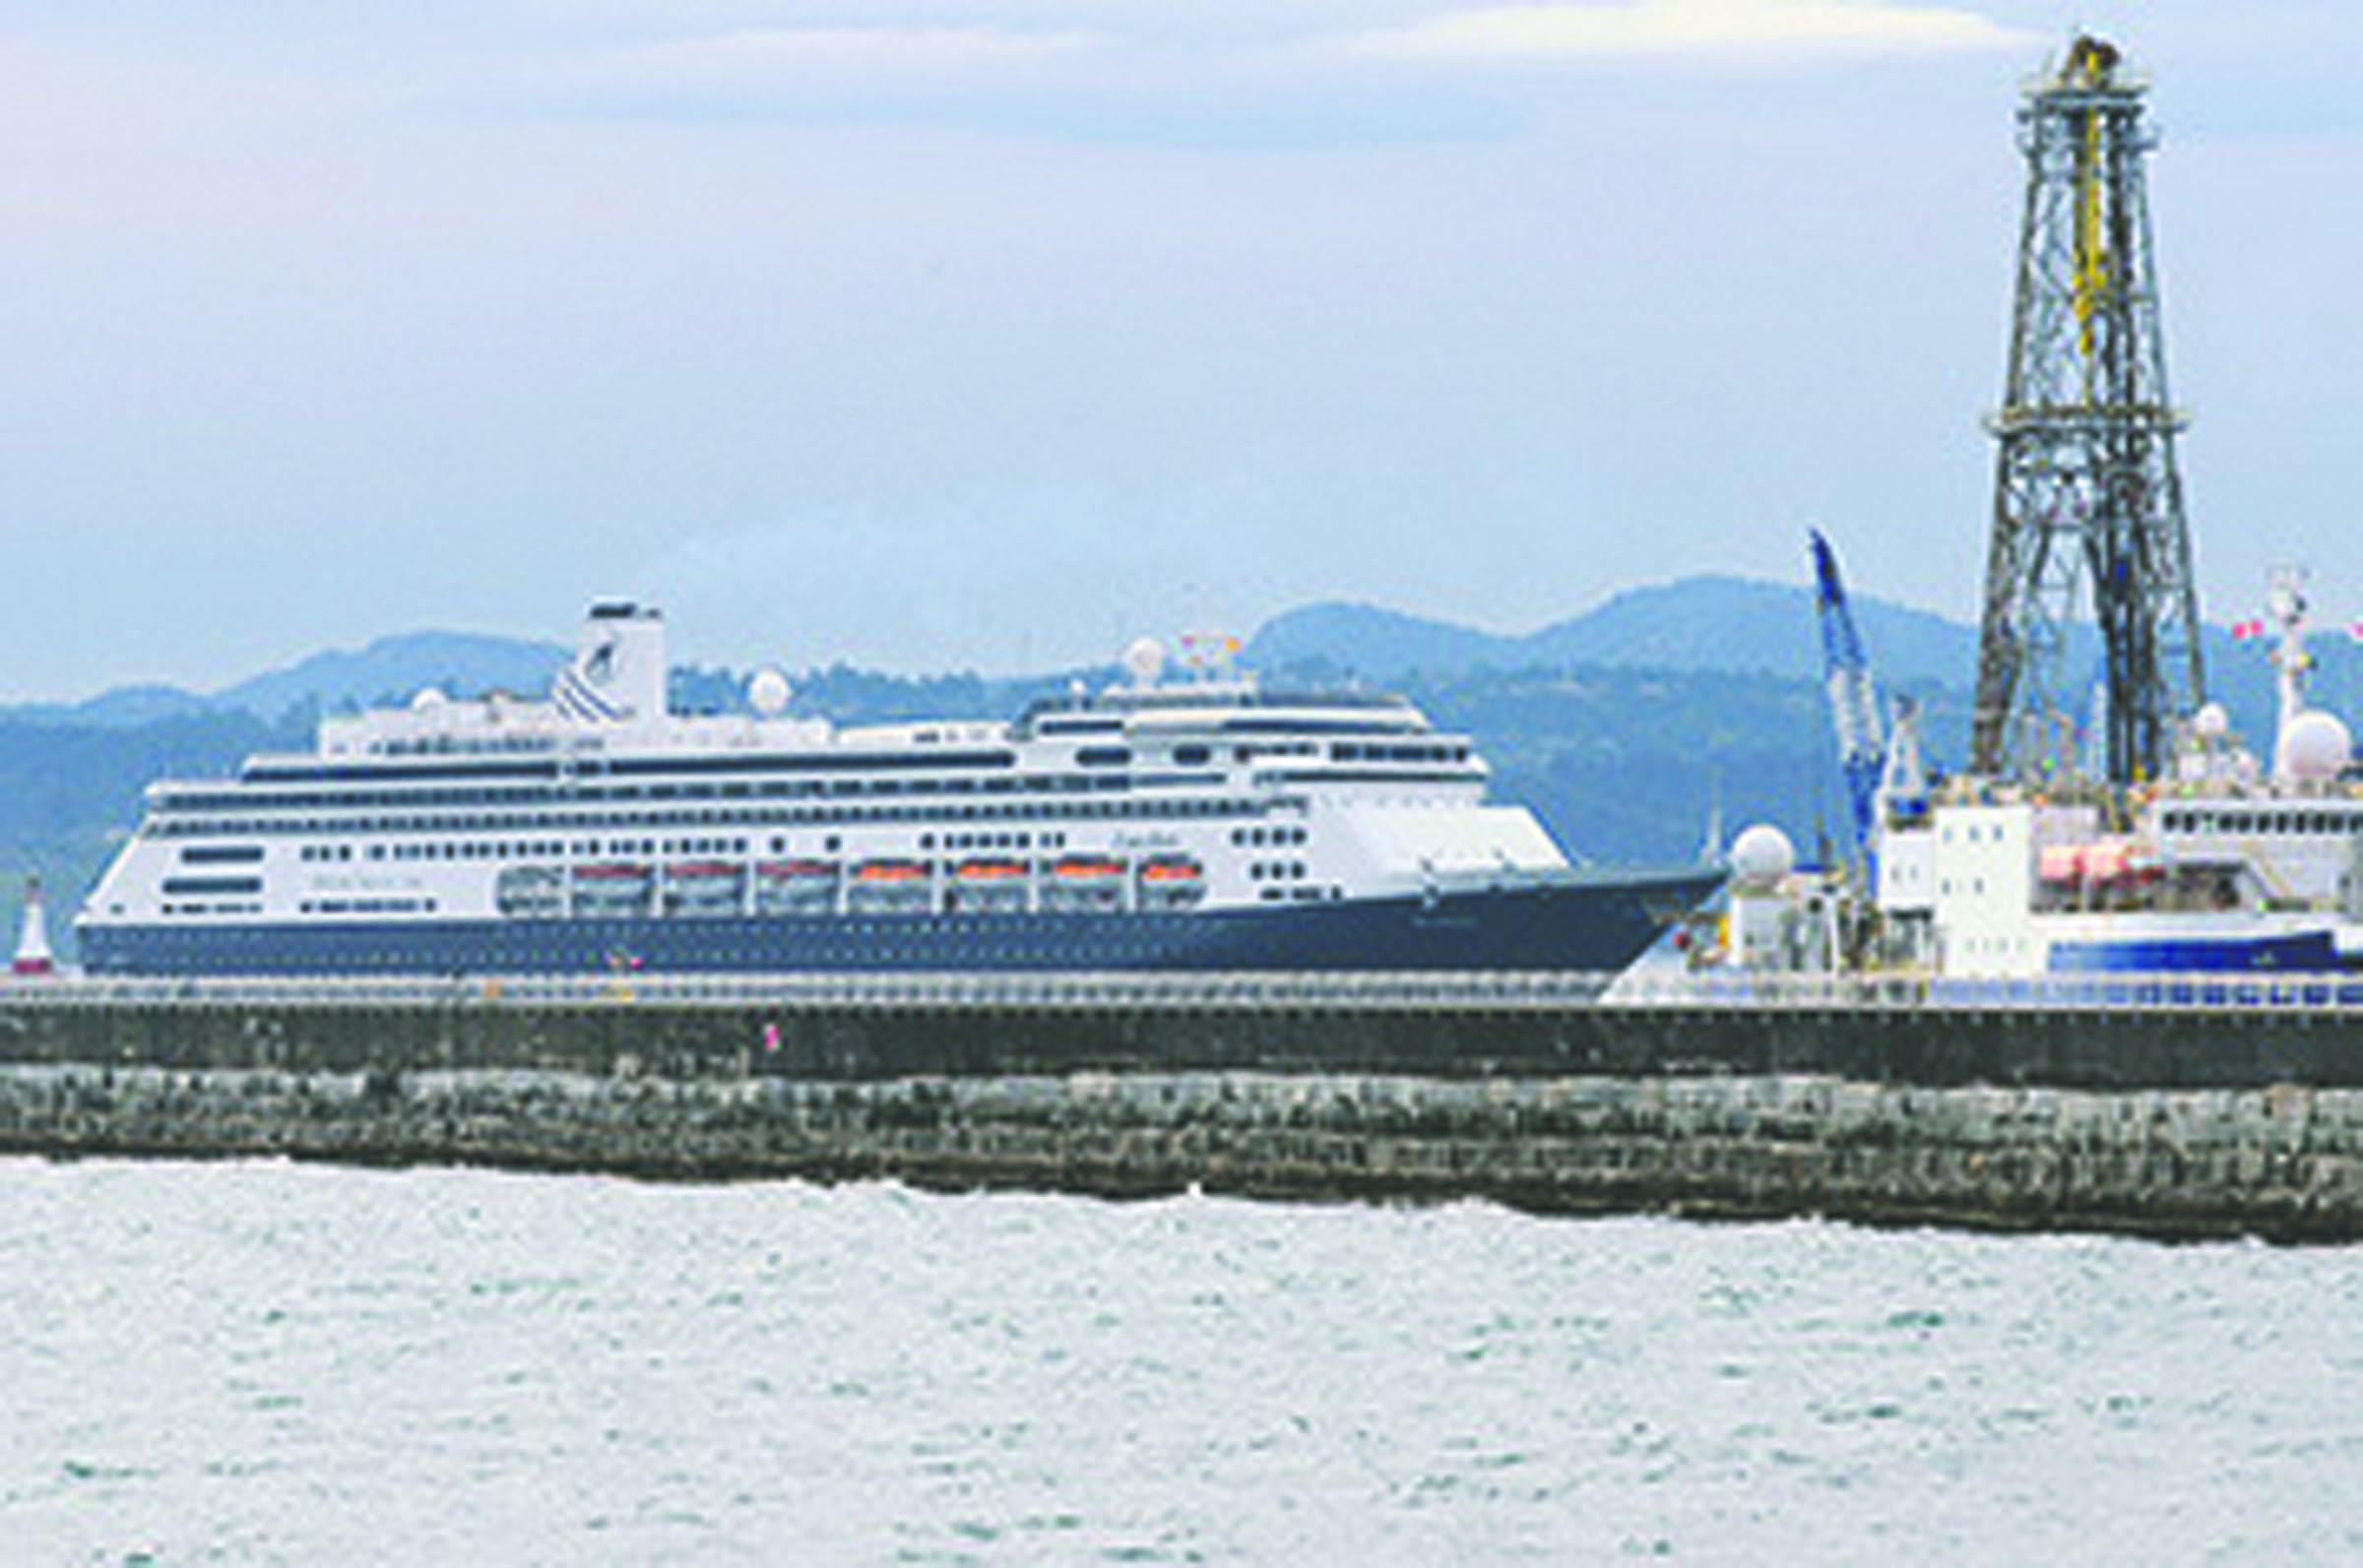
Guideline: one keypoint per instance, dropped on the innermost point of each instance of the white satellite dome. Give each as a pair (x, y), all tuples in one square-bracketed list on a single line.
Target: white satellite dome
[(2211, 722), (1760, 856), (768, 693), (2314, 748), (1144, 659), (429, 699)]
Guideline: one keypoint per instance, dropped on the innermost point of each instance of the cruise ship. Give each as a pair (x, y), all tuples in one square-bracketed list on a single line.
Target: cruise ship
[(1191, 822)]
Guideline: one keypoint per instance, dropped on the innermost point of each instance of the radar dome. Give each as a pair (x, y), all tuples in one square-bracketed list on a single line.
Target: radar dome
[(2211, 722), (2314, 747), (768, 693), (1760, 856), (1144, 659), (429, 699)]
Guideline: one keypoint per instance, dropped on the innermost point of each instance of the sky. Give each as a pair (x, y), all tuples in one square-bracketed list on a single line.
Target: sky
[(991, 335)]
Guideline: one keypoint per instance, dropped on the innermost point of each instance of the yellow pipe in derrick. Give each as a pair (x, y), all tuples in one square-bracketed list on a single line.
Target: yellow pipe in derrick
[(2091, 244)]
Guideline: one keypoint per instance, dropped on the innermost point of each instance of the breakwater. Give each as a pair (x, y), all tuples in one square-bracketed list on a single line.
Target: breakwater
[(2175, 1118)]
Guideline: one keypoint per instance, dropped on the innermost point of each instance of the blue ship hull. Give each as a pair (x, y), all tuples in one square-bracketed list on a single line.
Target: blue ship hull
[(1598, 924), (2284, 952)]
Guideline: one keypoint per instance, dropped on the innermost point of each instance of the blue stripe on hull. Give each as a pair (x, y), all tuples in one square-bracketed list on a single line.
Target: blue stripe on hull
[(2301, 951), (1600, 925)]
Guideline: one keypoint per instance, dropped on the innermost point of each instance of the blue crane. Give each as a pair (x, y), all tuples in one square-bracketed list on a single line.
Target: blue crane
[(1853, 698)]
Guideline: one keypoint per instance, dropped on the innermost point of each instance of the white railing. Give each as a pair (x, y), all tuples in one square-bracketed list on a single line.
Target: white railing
[(1450, 991), (2169, 992), (1122, 990)]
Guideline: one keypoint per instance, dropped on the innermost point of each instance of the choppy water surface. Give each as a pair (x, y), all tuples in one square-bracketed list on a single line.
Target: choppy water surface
[(258, 1362)]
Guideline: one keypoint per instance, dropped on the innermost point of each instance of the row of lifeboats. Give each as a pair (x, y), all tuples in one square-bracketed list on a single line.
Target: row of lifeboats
[(1160, 868), (2108, 861), (885, 883)]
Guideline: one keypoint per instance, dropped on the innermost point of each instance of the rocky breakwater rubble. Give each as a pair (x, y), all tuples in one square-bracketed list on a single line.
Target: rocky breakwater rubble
[(2283, 1163)]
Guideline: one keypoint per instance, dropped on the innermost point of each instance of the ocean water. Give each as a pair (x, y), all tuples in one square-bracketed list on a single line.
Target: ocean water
[(259, 1362)]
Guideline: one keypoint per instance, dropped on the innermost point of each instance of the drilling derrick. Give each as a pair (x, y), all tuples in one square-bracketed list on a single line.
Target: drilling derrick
[(2087, 503)]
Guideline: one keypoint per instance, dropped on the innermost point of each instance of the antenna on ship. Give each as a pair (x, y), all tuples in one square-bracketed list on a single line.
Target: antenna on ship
[(32, 942), (2309, 745), (1710, 849)]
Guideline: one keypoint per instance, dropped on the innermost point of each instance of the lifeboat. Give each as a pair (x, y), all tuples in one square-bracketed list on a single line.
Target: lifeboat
[(796, 870), (611, 888), (610, 874), (1171, 881), (988, 885), (796, 887), (1092, 884), (529, 892), (703, 887), (889, 887)]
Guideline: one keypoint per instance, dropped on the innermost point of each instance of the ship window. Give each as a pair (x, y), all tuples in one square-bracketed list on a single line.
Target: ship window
[(199, 887), (221, 854)]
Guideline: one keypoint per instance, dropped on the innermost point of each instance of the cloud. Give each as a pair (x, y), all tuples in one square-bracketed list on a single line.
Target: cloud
[(1068, 84), (1685, 28), (766, 69), (771, 52)]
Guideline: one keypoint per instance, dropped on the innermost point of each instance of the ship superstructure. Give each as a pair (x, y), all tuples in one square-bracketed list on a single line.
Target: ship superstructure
[(1188, 823), (2231, 863)]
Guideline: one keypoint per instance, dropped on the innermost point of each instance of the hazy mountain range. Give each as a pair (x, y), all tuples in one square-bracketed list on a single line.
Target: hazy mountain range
[(1697, 624), (1701, 623), (387, 669)]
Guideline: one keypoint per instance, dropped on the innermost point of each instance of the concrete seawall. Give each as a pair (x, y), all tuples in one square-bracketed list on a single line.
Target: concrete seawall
[(2183, 1120), (2086, 1034)]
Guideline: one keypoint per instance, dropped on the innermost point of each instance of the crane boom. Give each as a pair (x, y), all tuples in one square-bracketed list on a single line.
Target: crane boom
[(1853, 698)]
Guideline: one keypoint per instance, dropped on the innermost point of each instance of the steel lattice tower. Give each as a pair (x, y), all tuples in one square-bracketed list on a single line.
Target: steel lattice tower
[(2087, 498)]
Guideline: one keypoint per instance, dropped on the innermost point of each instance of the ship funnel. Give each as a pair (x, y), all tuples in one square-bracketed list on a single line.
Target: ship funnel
[(619, 671), (33, 944)]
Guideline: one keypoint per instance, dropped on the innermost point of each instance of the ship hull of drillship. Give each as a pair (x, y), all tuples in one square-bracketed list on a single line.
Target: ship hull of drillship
[(1594, 924), (2279, 953)]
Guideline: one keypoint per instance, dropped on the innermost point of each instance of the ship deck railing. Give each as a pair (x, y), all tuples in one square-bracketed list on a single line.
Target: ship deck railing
[(1112, 990), (2128, 991)]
